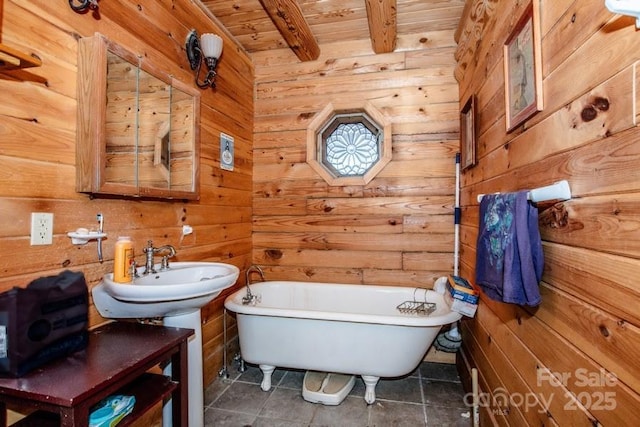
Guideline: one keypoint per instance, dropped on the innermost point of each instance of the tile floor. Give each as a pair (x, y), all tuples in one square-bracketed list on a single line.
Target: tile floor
[(430, 396)]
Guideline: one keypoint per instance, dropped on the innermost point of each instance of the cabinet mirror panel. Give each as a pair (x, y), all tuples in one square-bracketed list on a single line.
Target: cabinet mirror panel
[(142, 139)]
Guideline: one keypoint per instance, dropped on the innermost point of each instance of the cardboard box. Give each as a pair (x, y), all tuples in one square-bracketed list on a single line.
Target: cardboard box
[(462, 290), (466, 308)]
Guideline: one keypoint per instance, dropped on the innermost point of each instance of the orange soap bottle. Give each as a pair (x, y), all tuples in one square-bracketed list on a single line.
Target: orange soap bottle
[(122, 260)]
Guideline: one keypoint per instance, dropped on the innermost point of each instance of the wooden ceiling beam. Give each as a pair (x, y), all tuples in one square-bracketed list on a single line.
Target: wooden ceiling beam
[(383, 25), (290, 22)]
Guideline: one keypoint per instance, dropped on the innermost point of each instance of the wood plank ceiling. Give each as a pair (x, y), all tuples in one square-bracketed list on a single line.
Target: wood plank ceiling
[(304, 25)]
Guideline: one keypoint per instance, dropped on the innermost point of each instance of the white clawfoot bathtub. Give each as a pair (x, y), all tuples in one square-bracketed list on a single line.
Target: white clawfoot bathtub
[(347, 329)]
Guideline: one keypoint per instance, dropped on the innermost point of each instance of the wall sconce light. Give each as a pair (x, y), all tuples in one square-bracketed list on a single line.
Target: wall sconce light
[(207, 49), (625, 7), (83, 5)]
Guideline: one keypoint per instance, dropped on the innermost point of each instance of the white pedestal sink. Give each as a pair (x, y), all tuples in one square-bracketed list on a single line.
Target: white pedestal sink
[(176, 295)]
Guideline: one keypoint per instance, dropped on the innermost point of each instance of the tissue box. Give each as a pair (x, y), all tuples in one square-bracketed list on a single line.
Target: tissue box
[(461, 296), (462, 290), (45, 321), (466, 308)]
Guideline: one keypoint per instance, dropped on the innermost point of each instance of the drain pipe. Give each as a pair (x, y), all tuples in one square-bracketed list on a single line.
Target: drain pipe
[(224, 372), (476, 397), (457, 215), (451, 340)]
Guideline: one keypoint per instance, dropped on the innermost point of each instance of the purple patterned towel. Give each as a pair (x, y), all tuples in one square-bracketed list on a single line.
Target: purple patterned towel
[(509, 258)]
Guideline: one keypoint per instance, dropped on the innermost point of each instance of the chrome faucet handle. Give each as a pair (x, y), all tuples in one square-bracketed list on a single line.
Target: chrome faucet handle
[(134, 269), (149, 247), (164, 263), (251, 299), (148, 265)]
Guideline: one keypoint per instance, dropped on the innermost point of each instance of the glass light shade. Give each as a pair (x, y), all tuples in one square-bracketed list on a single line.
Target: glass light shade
[(211, 45)]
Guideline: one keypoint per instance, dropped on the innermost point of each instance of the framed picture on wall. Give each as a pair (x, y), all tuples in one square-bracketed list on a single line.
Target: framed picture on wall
[(468, 134), (523, 68)]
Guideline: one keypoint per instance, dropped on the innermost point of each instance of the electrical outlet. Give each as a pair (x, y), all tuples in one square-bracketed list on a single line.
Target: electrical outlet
[(41, 228)]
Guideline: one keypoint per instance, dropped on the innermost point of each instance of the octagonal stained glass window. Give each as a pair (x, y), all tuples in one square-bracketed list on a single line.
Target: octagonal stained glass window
[(350, 144)]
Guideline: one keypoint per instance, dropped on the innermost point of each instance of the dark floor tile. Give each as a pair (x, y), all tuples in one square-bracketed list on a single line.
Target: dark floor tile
[(270, 422), (253, 374), (414, 373), (220, 418), (396, 414), (439, 371), (442, 416), (358, 389), (242, 397), (402, 390), (352, 412), (443, 393), (232, 374), (215, 390), (292, 379), (288, 404)]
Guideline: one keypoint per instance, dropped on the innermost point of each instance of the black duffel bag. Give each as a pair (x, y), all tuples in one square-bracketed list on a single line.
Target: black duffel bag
[(45, 321)]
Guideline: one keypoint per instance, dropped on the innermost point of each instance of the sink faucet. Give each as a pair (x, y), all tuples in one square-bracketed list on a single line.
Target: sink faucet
[(250, 298), (150, 251)]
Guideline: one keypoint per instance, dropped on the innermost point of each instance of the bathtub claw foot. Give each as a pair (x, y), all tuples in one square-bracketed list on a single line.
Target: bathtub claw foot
[(267, 370), (370, 383)]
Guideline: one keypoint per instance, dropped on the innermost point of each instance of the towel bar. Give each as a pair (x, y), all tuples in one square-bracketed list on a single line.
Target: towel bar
[(557, 191)]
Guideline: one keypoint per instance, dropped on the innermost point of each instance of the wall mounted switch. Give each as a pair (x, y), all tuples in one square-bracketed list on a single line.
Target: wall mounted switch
[(41, 228)]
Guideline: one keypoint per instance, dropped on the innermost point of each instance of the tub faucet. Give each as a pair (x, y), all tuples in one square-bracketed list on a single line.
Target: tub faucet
[(250, 298), (150, 251)]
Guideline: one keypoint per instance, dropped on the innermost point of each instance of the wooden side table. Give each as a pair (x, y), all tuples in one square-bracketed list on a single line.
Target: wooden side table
[(115, 361)]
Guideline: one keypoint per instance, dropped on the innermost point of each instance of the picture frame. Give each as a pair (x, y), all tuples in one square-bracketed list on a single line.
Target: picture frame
[(468, 134), (523, 68)]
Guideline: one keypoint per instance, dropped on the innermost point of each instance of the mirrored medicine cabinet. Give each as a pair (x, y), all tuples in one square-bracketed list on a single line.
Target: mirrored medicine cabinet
[(138, 128)]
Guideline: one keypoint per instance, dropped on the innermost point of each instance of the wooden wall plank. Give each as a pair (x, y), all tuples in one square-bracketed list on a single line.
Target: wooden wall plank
[(364, 241), (532, 408), (333, 223), (601, 223), (596, 333), (488, 381), (496, 338), (433, 261), (559, 355), (604, 280), (567, 25), (436, 205), (405, 277), (314, 273), (327, 258)]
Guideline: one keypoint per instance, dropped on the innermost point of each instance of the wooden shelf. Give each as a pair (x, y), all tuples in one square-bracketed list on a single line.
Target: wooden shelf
[(64, 391), (149, 389), (12, 59), (39, 419)]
